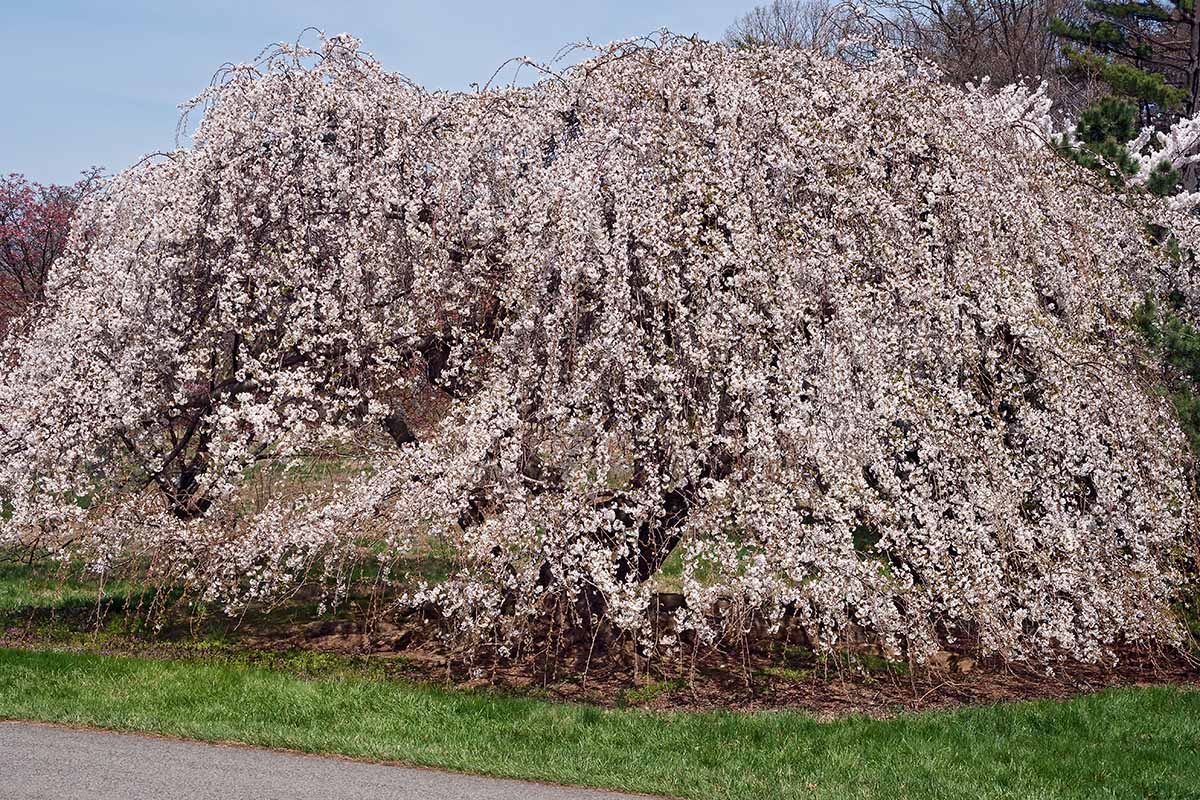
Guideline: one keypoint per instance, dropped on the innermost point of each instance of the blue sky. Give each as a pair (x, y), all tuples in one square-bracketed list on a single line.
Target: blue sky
[(100, 82)]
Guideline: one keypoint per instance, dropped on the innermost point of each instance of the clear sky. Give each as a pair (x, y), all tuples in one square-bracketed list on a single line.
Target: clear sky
[(99, 82)]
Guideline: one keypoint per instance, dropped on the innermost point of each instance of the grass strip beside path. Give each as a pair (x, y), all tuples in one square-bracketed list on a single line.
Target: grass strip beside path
[(1119, 743)]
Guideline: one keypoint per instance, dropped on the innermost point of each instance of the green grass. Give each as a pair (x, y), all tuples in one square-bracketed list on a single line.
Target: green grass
[(24, 588), (1120, 743)]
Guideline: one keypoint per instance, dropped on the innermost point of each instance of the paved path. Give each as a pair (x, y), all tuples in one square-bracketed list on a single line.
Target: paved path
[(41, 762)]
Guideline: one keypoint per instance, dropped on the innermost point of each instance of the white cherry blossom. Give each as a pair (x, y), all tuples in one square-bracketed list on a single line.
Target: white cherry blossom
[(854, 341)]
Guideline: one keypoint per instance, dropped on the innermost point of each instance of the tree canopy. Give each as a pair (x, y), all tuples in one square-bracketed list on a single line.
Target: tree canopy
[(854, 342)]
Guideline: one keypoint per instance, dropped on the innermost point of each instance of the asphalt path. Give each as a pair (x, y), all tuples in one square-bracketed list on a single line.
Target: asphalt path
[(45, 762)]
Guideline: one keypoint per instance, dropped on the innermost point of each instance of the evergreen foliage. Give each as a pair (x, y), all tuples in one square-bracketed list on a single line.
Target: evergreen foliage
[(1142, 50)]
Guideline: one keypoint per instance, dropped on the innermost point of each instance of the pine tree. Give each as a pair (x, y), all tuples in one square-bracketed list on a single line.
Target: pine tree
[(1146, 51), (1100, 137), (1100, 143)]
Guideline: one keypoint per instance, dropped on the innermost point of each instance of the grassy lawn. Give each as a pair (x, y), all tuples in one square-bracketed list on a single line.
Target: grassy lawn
[(23, 587), (1120, 743)]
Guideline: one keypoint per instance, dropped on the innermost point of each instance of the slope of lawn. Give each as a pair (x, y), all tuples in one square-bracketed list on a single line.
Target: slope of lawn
[(1119, 743)]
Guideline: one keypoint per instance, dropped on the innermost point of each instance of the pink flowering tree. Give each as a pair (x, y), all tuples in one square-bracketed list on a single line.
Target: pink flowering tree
[(853, 342), (34, 221)]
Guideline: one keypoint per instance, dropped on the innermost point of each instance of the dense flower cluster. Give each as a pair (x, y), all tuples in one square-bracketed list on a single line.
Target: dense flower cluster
[(852, 341)]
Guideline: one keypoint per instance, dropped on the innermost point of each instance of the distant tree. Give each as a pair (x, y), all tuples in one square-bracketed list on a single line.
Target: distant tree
[(793, 24), (1005, 41), (34, 222)]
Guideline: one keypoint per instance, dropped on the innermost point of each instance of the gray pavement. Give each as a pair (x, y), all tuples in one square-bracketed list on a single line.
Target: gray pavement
[(43, 762)]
